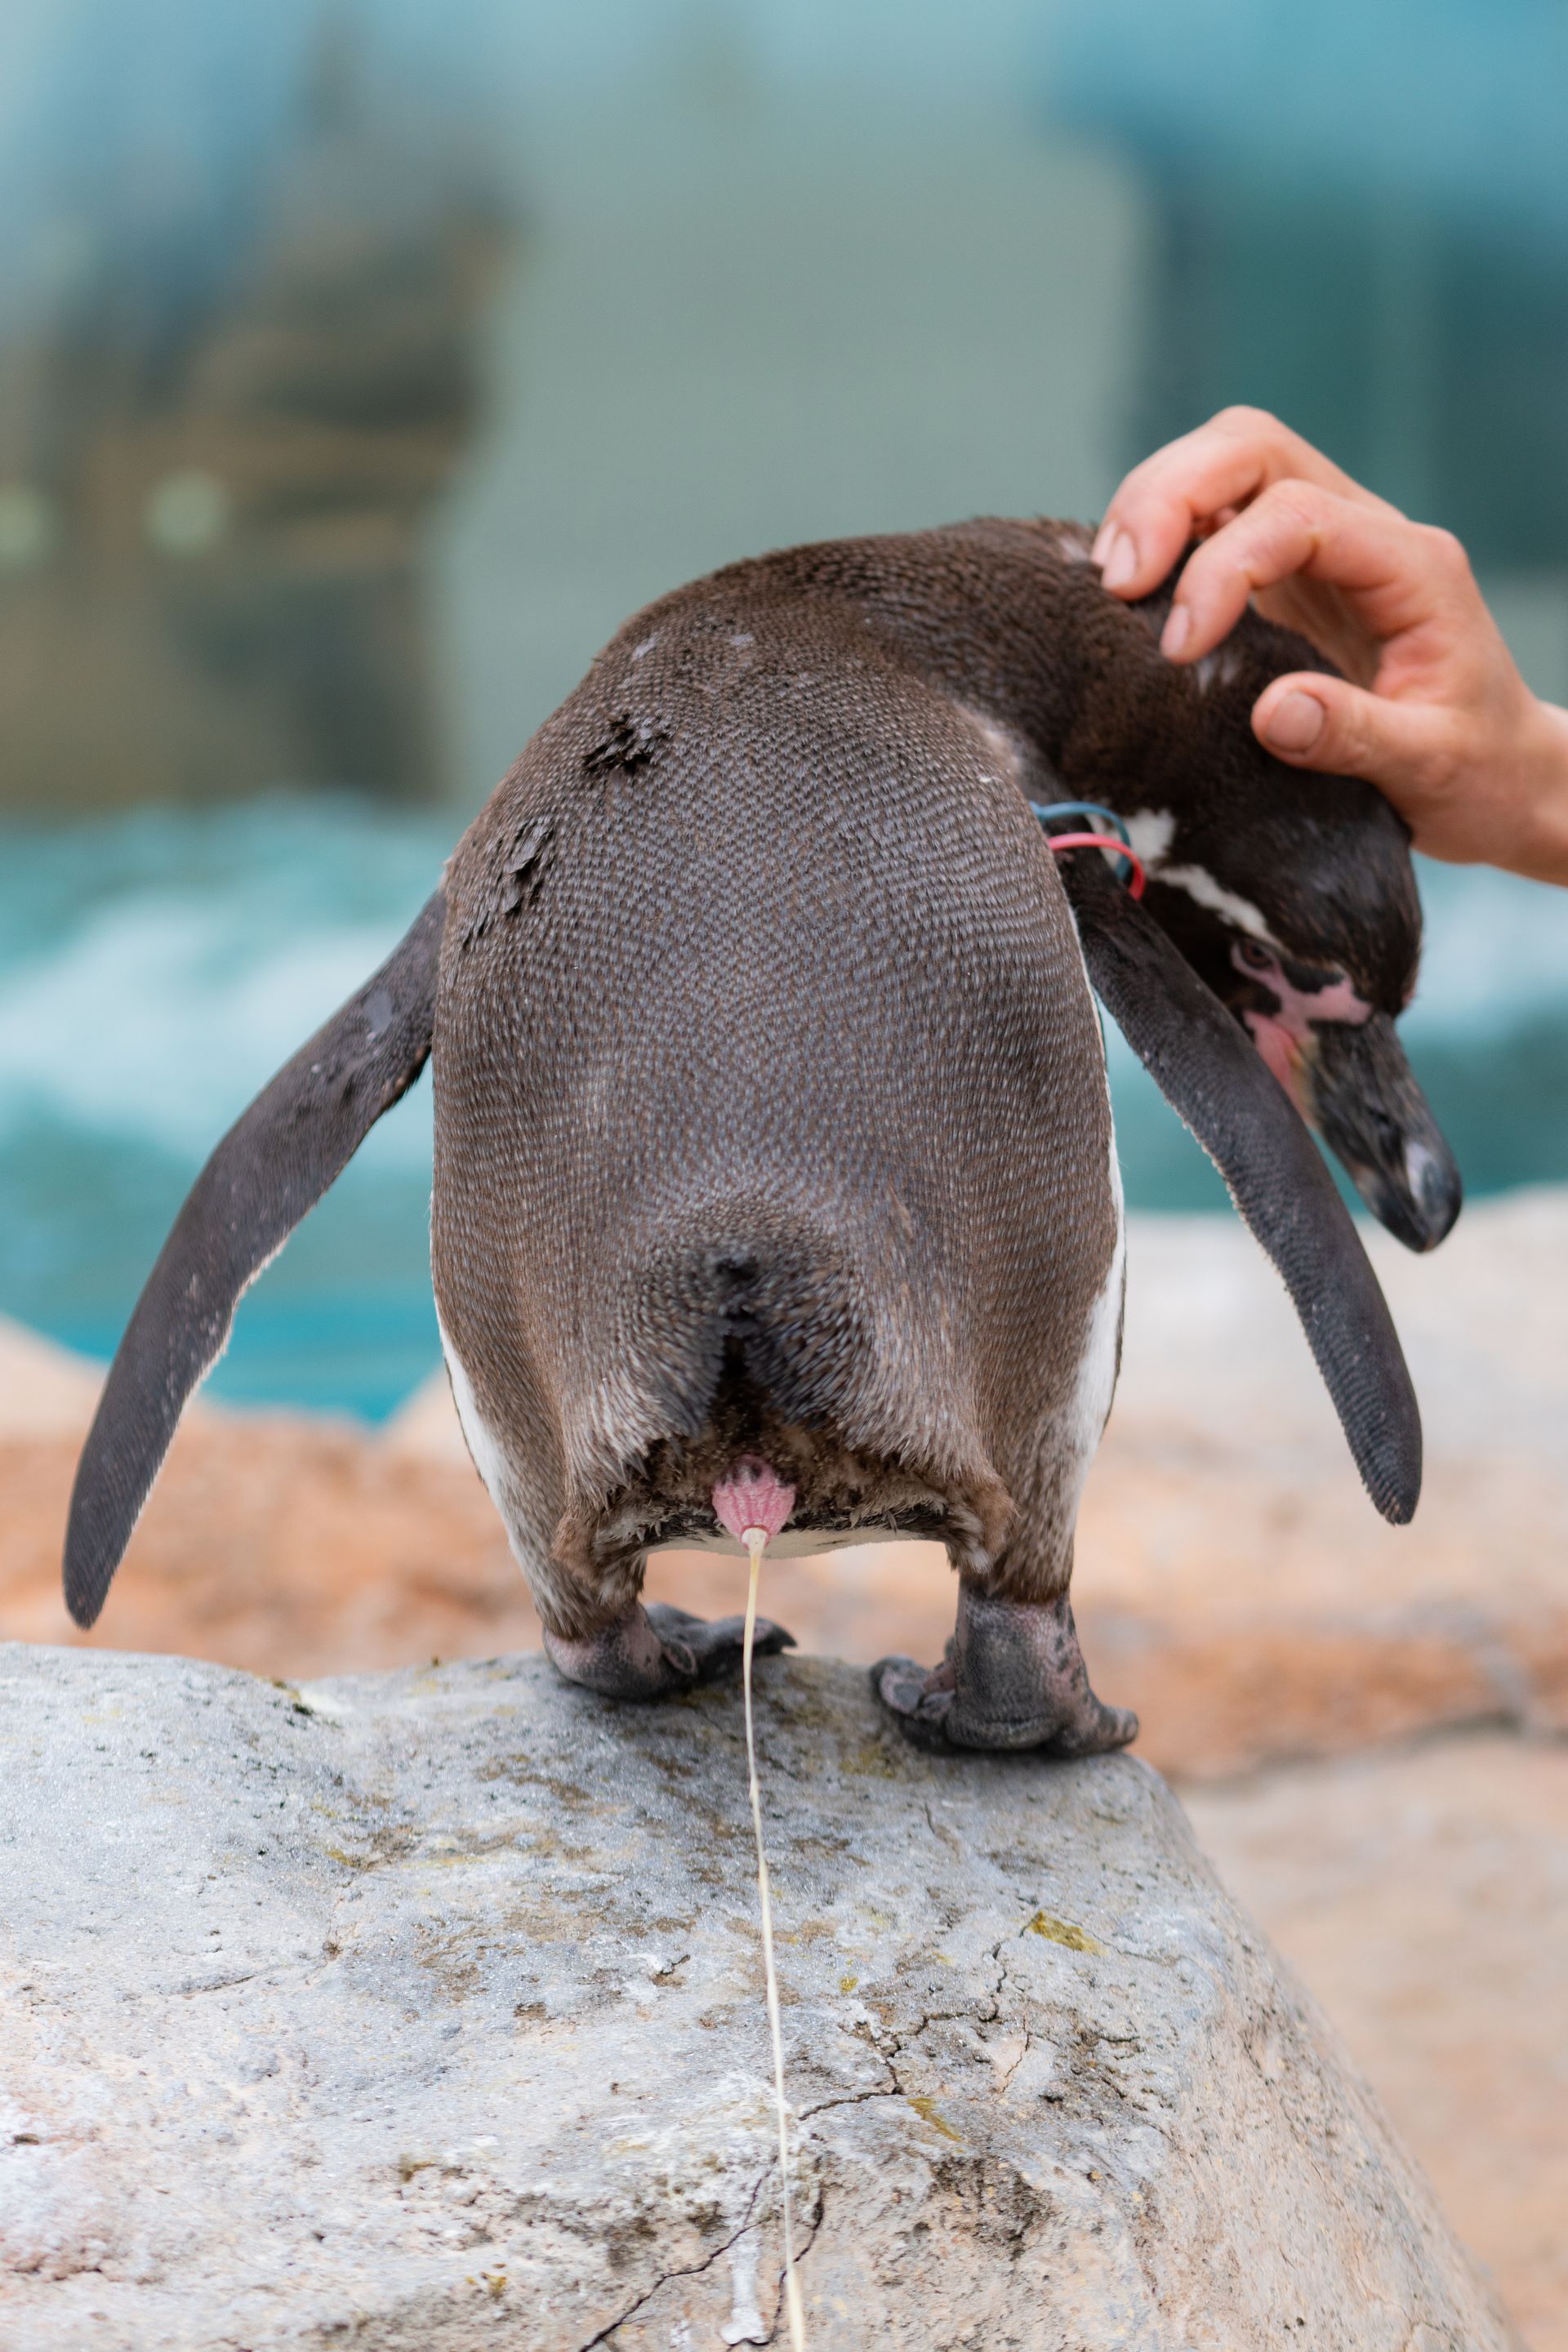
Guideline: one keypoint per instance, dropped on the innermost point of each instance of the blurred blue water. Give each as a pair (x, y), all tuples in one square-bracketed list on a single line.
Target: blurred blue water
[(154, 969)]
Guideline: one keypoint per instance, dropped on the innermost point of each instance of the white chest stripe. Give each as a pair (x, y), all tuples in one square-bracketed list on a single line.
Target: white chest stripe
[(1199, 883), (1150, 833)]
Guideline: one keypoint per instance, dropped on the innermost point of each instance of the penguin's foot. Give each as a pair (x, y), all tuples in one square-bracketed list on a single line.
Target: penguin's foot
[(658, 1651), (715, 1643), (921, 1702), (1014, 1677)]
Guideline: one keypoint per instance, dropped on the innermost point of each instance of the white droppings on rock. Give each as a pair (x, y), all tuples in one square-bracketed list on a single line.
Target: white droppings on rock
[(745, 2323)]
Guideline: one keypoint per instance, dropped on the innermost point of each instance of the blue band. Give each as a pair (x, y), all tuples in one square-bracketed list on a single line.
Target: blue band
[(1104, 821)]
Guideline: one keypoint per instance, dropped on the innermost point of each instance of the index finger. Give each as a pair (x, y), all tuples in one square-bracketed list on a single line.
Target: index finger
[(1396, 575), (1165, 503)]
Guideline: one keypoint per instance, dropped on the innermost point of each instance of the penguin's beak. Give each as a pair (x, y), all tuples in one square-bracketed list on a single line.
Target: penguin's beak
[(1359, 1092)]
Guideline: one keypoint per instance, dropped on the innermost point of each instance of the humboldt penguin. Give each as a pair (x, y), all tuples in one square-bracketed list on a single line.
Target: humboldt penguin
[(772, 1123)]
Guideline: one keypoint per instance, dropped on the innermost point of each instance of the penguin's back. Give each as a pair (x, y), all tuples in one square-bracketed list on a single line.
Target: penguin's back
[(762, 1019)]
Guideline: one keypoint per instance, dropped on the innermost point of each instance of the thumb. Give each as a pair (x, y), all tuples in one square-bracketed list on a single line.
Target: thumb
[(1312, 721)]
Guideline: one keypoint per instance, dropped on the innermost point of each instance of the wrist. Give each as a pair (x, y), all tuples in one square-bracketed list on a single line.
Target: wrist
[(1541, 848)]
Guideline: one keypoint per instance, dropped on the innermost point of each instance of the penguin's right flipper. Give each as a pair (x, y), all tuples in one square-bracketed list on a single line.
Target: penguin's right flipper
[(273, 1165), (1212, 1076)]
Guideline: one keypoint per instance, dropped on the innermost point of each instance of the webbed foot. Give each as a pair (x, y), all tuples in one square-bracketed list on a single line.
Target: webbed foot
[(715, 1644), (656, 1652), (1014, 1677)]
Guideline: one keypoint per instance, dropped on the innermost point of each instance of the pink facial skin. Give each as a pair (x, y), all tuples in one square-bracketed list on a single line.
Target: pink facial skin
[(750, 1494), (1282, 1036)]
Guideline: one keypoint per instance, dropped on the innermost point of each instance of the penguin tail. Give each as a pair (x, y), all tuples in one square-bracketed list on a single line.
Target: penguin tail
[(746, 1329), (272, 1166), (754, 1293)]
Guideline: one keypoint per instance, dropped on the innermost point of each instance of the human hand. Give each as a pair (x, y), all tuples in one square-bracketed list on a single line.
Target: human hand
[(1432, 708)]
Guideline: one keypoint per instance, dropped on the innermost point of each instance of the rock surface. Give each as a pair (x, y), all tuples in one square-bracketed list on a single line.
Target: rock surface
[(423, 2011)]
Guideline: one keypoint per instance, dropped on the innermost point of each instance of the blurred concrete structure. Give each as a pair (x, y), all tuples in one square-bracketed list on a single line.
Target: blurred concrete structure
[(219, 443)]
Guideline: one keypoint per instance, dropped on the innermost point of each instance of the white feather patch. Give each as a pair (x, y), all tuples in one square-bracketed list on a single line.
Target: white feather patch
[(489, 1460), (1003, 746), (1150, 833), (1217, 669), (1097, 1365)]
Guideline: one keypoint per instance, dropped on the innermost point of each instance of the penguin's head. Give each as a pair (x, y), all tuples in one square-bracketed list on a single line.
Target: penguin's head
[(1293, 896)]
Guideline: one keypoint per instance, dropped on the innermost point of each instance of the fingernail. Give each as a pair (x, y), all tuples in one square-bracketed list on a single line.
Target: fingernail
[(1120, 560), (1178, 628), (1295, 722), (1102, 539)]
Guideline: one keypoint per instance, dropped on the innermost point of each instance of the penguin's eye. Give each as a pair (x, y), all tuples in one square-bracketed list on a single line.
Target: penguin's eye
[(1255, 957)]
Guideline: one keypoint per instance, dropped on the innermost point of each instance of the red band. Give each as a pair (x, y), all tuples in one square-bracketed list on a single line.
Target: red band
[(1104, 841)]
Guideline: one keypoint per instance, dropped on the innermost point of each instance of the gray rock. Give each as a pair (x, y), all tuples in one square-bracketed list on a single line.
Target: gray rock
[(424, 2010)]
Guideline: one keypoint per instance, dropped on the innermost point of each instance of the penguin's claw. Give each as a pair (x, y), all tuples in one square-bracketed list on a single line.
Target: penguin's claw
[(916, 1699), (658, 1653), (713, 1645)]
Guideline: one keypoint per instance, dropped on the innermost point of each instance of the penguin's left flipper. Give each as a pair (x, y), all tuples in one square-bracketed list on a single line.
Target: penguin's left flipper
[(273, 1165), (1212, 1076)]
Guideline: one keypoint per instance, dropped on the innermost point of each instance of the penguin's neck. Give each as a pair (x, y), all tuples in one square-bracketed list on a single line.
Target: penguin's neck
[(1010, 619)]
